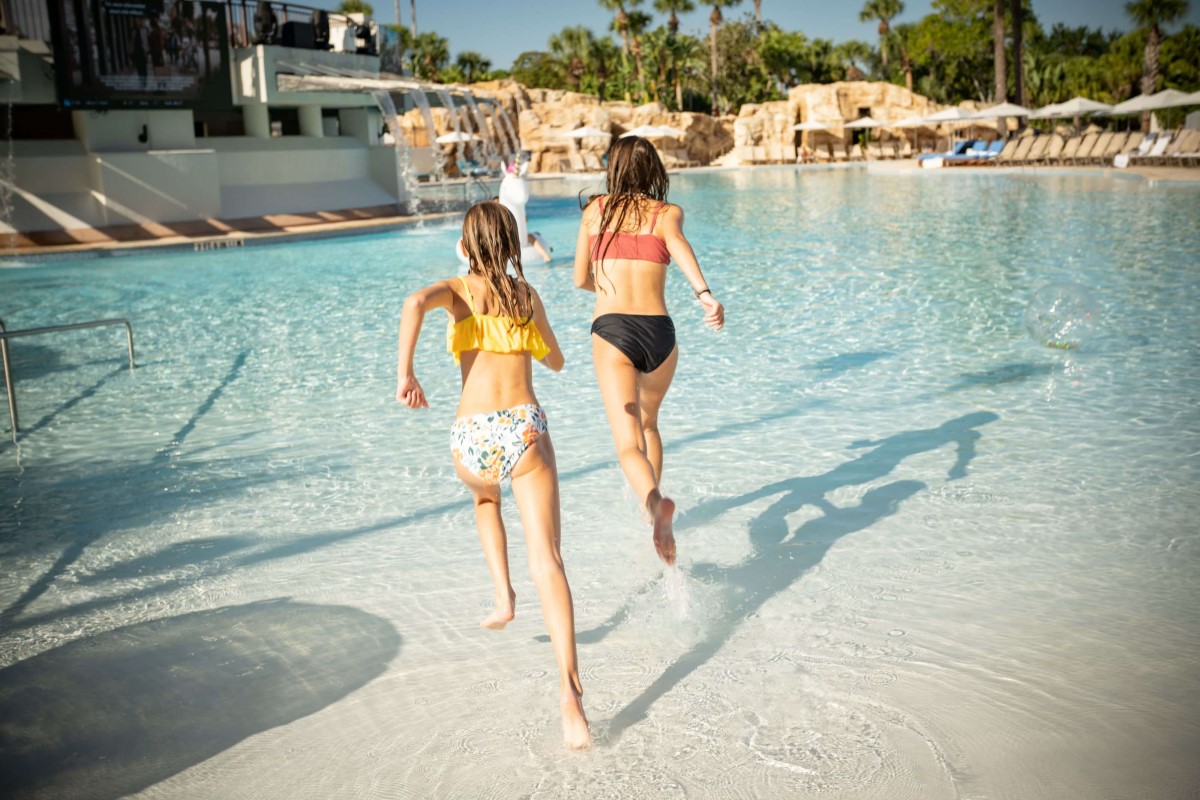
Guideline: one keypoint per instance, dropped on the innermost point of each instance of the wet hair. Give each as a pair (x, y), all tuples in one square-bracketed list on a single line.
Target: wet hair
[(635, 172), (490, 241)]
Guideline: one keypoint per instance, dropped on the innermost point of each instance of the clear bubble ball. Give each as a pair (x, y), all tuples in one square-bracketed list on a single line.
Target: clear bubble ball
[(1062, 315)]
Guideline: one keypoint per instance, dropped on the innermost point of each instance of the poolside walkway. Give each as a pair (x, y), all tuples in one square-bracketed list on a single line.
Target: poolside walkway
[(213, 234), (207, 234)]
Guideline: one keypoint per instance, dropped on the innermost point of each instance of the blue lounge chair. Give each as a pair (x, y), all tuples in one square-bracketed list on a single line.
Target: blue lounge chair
[(958, 149)]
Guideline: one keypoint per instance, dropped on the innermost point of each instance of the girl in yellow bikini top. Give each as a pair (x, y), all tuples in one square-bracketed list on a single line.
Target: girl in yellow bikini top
[(492, 334)]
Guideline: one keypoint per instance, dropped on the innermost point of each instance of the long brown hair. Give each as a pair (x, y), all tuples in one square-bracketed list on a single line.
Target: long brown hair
[(635, 172), (491, 243)]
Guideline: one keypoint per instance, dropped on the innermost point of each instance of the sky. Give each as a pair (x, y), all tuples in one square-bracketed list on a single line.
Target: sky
[(502, 29)]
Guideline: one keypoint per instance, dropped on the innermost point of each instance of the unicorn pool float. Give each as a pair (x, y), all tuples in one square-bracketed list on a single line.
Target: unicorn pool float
[(514, 195)]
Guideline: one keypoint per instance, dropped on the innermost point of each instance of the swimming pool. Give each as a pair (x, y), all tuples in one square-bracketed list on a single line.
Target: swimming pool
[(921, 555)]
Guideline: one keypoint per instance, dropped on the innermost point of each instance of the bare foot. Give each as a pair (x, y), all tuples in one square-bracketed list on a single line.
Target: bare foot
[(503, 614), (664, 537), (576, 735)]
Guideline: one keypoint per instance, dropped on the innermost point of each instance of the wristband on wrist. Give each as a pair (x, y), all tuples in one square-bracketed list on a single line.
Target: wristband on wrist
[(703, 291)]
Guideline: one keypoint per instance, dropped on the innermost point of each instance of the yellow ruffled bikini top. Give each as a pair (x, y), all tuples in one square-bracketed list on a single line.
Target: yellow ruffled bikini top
[(492, 334)]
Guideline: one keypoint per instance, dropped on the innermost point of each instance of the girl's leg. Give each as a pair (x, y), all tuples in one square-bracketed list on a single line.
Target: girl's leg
[(618, 380), (652, 388), (535, 488), (494, 540)]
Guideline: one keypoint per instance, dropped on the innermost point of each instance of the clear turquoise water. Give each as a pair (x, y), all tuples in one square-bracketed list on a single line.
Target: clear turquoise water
[(922, 556)]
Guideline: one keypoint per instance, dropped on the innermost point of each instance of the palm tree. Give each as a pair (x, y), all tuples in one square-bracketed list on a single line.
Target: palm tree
[(714, 20), (903, 39), (571, 46), (852, 53), (413, 16), (636, 23), (472, 65), (884, 11), (620, 24), (601, 57), (1018, 24), (674, 8), (355, 7), (430, 54), (758, 12), (998, 51), (1153, 14)]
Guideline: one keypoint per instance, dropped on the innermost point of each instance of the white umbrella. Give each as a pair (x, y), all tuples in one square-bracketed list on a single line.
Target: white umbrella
[(1002, 110), (1193, 99), (1167, 98), (910, 122), (950, 115), (645, 131), (585, 132), (1075, 107), (667, 130), (864, 122), (811, 125), (457, 136)]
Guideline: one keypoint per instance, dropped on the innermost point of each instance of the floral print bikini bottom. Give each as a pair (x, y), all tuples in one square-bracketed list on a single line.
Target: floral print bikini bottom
[(489, 445)]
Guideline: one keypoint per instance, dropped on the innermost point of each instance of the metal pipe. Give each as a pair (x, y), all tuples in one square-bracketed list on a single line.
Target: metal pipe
[(8, 383), (5, 335)]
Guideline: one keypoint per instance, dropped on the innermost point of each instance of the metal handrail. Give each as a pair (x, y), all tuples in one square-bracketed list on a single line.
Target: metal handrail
[(5, 335)]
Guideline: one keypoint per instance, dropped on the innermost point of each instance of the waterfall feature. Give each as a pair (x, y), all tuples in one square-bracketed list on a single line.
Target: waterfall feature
[(407, 181), (510, 151), (490, 154), (8, 180), (448, 102), (431, 129), (509, 127)]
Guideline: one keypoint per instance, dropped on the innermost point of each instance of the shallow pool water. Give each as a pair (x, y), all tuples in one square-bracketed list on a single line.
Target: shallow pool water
[(922, 556)]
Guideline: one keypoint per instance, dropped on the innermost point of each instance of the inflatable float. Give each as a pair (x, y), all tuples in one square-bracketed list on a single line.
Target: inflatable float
[(514, 195)]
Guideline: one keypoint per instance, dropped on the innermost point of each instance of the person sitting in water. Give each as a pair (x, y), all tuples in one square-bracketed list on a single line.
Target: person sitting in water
[(536, 244), (627, 239), (500, 431)]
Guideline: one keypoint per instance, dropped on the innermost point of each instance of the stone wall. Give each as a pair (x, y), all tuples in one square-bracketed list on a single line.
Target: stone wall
[(760, 133), (763, 132), (543, 117)]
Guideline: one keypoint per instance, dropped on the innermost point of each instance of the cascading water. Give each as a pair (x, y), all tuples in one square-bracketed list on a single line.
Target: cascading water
[(404, 165), (8, 178), (490, 154), (422, 102), (510, 152), (509, 127), (448, 102)]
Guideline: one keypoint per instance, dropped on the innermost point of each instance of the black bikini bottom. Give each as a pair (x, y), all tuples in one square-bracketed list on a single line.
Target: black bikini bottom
[(646, 340)]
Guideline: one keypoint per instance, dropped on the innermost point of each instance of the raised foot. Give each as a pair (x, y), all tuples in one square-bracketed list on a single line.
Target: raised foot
[(503, 614), (576, 735), (664, 536)]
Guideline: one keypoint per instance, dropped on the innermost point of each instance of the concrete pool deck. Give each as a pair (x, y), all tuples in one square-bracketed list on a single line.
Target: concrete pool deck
[(218, 234)]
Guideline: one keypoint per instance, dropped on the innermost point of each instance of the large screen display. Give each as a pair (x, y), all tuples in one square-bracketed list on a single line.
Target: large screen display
[(141, 54)]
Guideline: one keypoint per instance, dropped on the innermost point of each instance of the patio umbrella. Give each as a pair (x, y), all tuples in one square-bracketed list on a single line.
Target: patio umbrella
[(1002, 110), (1075, 107), (811, 125), (864, 122), (909, 122), (585, 132), (1167, 98), (667, 130), (951, 115), (645, 131), (1193, 99), (457, 136)]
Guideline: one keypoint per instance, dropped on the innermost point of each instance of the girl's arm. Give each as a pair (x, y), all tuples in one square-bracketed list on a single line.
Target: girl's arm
[(681, 251), (583, 251), (554, 359), (439, 295)]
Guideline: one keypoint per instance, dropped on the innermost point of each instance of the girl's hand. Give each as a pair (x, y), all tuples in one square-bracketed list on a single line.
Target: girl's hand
[(714, 312), (409, 392)]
